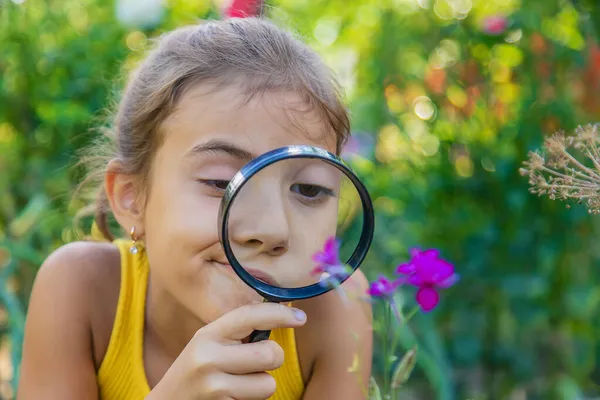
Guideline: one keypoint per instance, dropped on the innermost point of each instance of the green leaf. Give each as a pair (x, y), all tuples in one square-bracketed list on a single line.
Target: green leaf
[(404, 368), (374, 391)]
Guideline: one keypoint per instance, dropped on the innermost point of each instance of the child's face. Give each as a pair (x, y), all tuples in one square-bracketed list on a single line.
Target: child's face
[(209, 138), (282, 216)]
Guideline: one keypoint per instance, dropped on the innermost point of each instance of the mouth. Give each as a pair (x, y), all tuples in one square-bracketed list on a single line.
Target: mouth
[(262, 276), (256, 273)]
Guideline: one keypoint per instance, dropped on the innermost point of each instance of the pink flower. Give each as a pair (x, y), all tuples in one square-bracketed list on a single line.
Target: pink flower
[(495, 25), (427, 271), (383, 287), (243, 8)]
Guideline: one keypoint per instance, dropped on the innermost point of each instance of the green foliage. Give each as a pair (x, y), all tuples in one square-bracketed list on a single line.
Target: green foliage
[(58, 59), (452, 112)]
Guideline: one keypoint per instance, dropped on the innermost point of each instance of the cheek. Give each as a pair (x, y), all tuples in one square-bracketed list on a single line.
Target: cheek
[(179, 219), (317, 224)]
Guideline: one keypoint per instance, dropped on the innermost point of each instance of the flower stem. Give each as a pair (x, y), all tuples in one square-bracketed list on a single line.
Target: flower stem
[(396, 311), (386, 329), (393, 305), (395, 333), (411, 314), (342, 293)]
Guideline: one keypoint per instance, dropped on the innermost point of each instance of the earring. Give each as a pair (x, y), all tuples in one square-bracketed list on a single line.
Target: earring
[(134, 249)]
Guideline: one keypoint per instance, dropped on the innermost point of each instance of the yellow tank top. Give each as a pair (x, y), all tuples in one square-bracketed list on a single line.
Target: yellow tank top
[(121, 375)]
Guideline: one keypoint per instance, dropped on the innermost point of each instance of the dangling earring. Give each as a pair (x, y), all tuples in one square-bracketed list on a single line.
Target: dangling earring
[(134, 249)]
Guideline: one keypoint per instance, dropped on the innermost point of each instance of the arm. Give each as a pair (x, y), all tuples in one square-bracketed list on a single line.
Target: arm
[(57, 350), (343, 332)]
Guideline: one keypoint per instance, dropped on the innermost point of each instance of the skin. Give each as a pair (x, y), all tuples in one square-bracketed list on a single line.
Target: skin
[(292, 206), (208, 138)]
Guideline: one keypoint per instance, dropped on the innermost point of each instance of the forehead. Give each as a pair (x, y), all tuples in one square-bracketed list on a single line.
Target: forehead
[(258, 124)]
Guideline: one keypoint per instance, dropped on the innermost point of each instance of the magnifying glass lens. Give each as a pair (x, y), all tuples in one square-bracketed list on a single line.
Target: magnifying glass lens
[(296, 223)]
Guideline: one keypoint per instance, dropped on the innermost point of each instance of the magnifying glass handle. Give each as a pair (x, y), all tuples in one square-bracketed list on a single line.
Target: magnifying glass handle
[(259, 336)]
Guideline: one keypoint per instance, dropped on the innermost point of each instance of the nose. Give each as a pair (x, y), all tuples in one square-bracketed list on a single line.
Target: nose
[(268, 237), (259, 223)]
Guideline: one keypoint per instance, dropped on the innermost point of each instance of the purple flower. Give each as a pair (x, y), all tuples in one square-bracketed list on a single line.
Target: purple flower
[(427, 271), (383, 287), (358, 144), (329, 256), (329, 263)]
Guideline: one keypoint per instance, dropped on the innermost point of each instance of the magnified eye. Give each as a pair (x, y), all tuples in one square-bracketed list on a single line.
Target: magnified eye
[(312, 192), (218, 185)]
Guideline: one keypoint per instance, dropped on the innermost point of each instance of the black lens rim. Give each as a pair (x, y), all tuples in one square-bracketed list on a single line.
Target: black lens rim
[(273, 293)]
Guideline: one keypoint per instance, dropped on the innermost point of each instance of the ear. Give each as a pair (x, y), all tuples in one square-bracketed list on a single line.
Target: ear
[(122, 192)]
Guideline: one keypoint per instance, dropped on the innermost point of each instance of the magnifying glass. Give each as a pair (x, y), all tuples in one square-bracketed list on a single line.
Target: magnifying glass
[(289, 213)]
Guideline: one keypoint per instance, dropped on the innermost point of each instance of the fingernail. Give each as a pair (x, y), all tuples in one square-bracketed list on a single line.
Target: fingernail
[(299, 315)]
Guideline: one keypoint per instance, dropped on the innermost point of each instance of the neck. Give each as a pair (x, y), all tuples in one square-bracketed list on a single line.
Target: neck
[(169, 325)]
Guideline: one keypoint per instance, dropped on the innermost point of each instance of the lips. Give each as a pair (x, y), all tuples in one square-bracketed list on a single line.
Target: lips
[(256, 273), (262, 276)]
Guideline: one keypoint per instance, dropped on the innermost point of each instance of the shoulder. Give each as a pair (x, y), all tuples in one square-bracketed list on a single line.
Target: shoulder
[(338, 331), (83, 279), (80, 260), (75, 289), (81, 254), (92, 271), (85, 271)]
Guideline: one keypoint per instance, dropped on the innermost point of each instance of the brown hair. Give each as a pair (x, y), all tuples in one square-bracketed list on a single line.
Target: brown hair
[(251, 52)]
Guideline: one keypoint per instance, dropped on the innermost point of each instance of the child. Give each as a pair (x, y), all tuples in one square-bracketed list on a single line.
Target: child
[(161, 316)]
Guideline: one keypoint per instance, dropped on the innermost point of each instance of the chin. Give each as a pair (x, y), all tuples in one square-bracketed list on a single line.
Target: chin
[(242, 299), (218, 294), (219, 309), (220, 302)]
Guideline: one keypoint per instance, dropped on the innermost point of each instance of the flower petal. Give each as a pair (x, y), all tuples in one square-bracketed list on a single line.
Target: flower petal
[(375, 289), (379, 287), (382, 287), (442, 270), (430, 253), (418, 253), (415, 280), (319, 257), (449, 281), (427, 298), (328, 257), (331, 245), (407, 268)]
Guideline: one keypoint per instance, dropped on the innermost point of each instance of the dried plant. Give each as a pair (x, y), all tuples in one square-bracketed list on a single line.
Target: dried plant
[(568, 168)]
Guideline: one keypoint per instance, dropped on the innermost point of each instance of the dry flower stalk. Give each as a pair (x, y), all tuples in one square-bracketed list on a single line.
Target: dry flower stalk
[(569, 167)]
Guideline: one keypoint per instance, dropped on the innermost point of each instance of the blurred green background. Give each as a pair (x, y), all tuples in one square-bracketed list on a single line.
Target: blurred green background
[(447, 97)]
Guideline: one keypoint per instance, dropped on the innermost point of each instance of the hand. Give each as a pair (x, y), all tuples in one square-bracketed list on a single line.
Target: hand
[(216, 365)]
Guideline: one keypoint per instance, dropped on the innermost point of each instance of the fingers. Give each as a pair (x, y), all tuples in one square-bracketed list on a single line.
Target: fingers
[(258, 386), (239, 323), (249, 358)]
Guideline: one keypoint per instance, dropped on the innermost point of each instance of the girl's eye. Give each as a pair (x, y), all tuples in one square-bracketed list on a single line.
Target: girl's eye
[(311, 191), (215, 184)]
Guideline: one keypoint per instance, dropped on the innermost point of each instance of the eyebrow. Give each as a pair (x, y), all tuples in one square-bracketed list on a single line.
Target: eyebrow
[(222, 147)]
